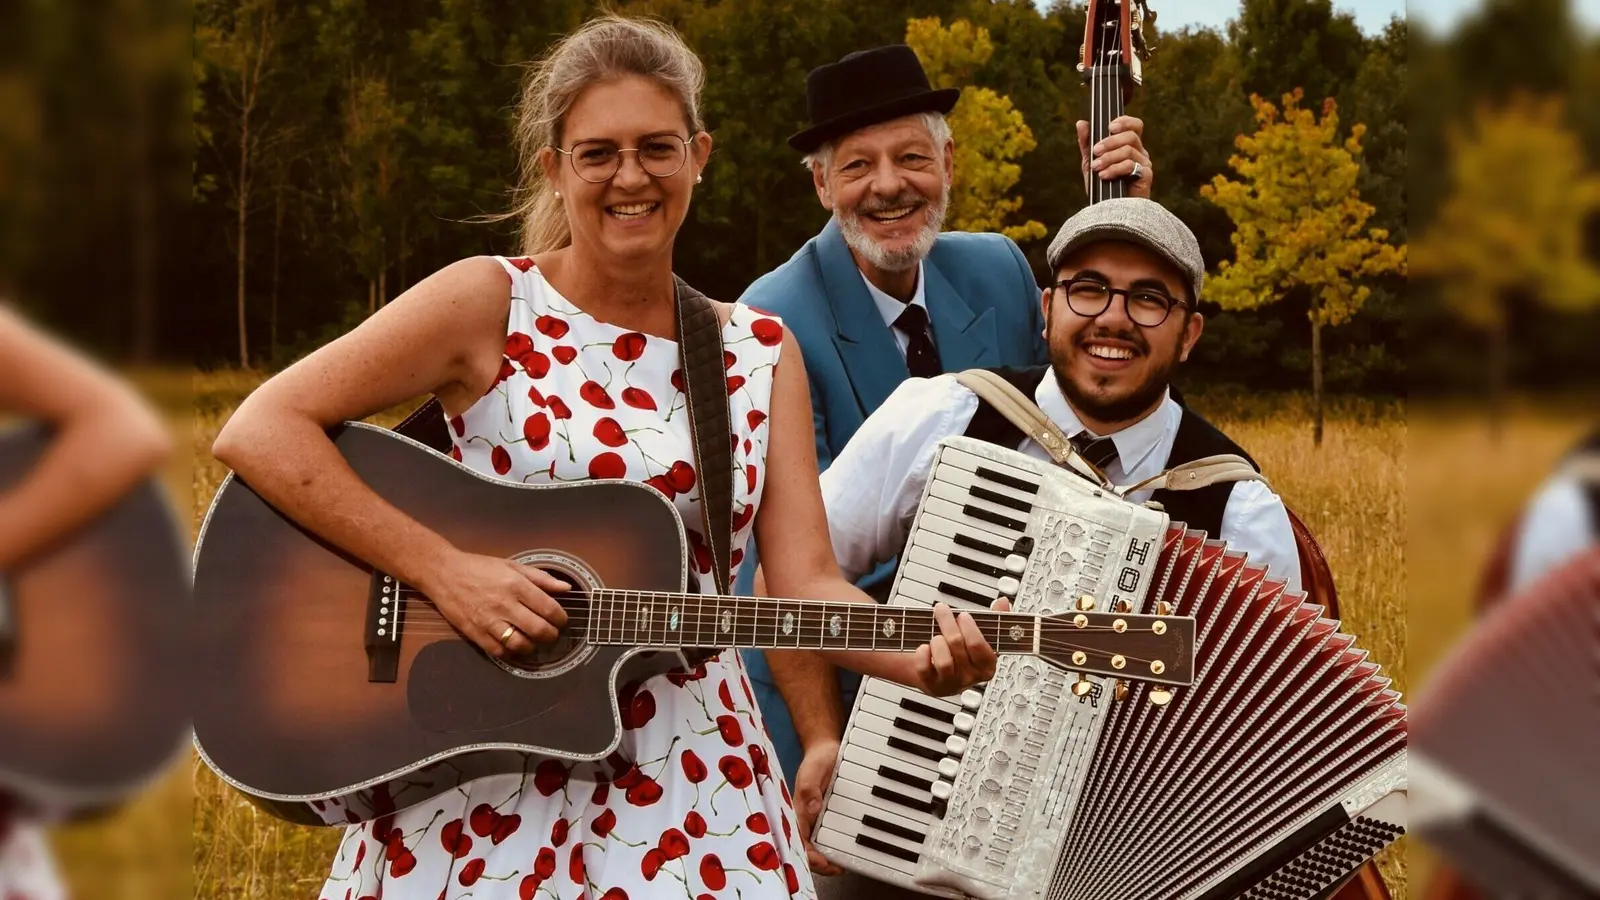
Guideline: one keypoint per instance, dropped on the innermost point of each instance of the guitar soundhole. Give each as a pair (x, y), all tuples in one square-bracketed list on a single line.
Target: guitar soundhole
[(572, 648)]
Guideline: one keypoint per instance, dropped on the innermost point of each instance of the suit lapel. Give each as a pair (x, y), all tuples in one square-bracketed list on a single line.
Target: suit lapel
[(966, 339), (864, 342)]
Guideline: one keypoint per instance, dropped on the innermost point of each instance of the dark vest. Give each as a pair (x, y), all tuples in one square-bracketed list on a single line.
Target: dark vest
[(1196, 439)]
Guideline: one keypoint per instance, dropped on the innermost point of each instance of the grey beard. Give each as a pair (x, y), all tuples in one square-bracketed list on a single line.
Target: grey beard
[(893, 260)]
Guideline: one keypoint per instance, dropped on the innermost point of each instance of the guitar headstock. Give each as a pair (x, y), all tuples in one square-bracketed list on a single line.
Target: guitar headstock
[(1157, 649), (1114, 40)]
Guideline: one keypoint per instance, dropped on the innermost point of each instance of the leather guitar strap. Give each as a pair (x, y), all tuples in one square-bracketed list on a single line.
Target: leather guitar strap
[(706, 391)]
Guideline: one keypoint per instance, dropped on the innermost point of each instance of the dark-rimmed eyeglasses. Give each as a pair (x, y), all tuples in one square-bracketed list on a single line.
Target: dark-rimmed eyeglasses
[(660, 155), (1089, 297)]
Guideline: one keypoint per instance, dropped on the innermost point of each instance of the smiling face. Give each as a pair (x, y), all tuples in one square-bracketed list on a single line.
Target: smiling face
[(634, 214), (1113, 370), (888, 185)]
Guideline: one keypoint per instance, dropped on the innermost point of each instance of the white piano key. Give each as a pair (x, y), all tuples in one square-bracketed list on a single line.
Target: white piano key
[(935, 569), (941, 508), (962, 497), (875, 732), (969, 480), (872, 759), (894, 870), (881, 794), (873, 778), (849, 810), (929, 594), (890, 710)]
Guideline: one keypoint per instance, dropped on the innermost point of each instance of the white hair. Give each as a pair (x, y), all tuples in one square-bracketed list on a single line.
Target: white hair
[(938, 130)]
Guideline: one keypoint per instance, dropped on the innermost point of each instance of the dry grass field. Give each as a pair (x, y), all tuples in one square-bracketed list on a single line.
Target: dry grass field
[(1352, 492)]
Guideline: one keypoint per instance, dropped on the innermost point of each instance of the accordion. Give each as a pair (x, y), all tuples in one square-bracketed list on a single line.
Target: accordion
[(1277, 774)]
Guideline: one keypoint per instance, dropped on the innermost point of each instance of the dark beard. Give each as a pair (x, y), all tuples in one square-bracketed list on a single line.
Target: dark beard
[(1120, 410)]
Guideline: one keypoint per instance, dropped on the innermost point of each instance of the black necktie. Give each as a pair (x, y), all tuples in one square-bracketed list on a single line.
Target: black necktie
[(1098, 450), (921, 359)]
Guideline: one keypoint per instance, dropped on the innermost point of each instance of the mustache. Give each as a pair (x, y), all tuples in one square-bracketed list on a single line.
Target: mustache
[(1132, 337), (884, 204)]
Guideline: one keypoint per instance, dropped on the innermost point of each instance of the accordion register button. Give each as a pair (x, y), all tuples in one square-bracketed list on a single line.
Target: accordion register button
[(949, 767), (1000, 759), (942, 790), (956, 744), (971, 699), (964, 722), (1030, 671), (1009, 586), (1015, 564), (971, 845), (1010, 729)]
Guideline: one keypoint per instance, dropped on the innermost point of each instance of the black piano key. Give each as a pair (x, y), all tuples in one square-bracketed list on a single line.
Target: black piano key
[(1023, 547), (956, 559), (873, 843), (923, 709), (899, 831), (972, 543), (903, 778), (905, 746), (918, 728), (883, 793), (1010, 481), (983, 515), (1002, 499), (956, 590)]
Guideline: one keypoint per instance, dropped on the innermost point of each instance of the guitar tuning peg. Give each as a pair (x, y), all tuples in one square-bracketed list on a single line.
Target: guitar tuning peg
[(1082, 686), (1085, 602), (1121, 605), (1121, 690), (1160, 696), (1163, 608)]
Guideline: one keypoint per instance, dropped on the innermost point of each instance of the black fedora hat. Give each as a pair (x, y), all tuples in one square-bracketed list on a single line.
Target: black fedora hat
[(865, 88)]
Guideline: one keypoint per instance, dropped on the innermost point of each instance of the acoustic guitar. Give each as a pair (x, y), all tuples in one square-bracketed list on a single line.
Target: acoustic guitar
[(92, 652), (331, 692)]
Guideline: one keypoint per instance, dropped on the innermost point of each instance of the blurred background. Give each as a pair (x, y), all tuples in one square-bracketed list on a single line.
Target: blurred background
[(200, 193)]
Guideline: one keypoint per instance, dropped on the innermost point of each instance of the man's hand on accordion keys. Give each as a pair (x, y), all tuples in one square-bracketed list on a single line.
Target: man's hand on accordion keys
[(810, 786), (957, 658)]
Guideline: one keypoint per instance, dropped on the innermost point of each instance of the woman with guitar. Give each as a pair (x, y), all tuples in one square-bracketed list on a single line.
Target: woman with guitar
[(104, 442), (562, 365)]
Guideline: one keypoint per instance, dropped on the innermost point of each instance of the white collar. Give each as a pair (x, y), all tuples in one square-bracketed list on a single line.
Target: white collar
[(1134, 443), (889, 307)]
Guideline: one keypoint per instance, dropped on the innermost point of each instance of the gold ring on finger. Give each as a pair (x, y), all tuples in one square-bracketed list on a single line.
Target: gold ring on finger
[(505, 636)]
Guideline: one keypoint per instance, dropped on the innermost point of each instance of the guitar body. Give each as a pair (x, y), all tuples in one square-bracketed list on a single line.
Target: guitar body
[(92, 653), (289, 712)]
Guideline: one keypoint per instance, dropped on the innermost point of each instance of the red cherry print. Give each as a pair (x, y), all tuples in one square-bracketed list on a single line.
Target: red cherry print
[(784, 789), (736, 770), (695, 824), (790, 879), (643, 708), (575, 864), (677, 380), (758, 823), (702, 558), (615, 893), (506, 371), (637, 398), (764, 856), (537, 431), (518, 345), (382, 828), (607, 465), (506, 827), (596, 395), (645, 793), (602, 825), (681, 476), (536, 397), (483, 819), (725, 695), (455, 453), (564, 354), (501, 460), (654, 859), (673, 844), (395, 846), (471, 872), (551, 776), (694, 768), (734, 383), (361, 853), (731, 732), (629, 347), (455, 843), (712, 873), (458, 425), (745, 683), (558, 832), (728, 359), (736, 557), (743, 517), (537, 364), (660, 483), (551, 326), (523, 263), (608, 432), (602, 790), (788, 834), (758, 760), (629, 778), (755, 417), (558, 408), (767, 331), (529, 887), (544, 865), (403, 864), (746, 446), (750, 478)]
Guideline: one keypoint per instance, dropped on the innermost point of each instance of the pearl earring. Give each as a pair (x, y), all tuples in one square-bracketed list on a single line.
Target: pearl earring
[(698, 179), (558, 193)]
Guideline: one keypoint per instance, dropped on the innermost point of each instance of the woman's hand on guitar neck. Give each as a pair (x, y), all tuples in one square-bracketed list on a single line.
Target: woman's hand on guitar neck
[(482, 595), (958, 657), (1115, 156)]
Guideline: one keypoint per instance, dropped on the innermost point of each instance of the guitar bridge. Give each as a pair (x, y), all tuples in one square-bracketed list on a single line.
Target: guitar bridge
[(382, 630)]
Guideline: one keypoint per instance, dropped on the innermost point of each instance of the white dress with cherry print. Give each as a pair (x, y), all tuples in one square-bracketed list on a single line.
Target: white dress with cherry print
[(689, 806)]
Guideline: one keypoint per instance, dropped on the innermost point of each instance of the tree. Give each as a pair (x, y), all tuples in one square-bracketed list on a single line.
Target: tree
[(1508, 229), (1299, 223), (989, 132)]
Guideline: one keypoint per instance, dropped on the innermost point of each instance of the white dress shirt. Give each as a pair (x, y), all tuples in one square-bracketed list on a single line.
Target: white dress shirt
[(1557, 527), (872, 489), (891, 308)]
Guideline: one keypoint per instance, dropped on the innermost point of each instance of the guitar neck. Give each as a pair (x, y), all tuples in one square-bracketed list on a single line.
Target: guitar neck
[(694, 620), (1105, 104)]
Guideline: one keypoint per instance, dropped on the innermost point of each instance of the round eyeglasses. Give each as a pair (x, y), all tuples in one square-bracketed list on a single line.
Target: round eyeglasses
[(1089, 297), (660, 155)]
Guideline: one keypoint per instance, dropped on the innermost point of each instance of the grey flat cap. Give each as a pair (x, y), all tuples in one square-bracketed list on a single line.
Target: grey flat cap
[(1138, 221)]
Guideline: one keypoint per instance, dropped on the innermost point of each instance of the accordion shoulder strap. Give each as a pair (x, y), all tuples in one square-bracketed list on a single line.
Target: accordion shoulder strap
[(1199, 473), (1023, 413), (1584, 468)]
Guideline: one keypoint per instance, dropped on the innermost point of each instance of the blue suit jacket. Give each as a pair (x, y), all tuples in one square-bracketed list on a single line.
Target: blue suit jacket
[(983, 304)]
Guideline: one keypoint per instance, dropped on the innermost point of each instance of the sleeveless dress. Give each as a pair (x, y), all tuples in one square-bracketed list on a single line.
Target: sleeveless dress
[(689, 805)]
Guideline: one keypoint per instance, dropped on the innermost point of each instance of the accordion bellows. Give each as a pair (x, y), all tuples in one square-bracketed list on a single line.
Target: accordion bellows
[(1277, 774)]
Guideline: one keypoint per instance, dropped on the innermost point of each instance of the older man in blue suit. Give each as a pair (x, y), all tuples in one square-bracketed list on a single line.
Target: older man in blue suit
[(882, 294)]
